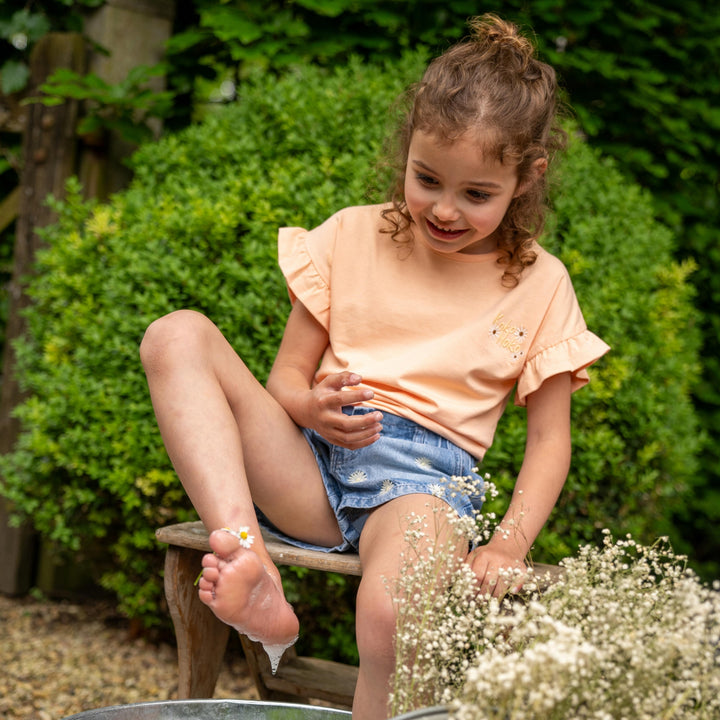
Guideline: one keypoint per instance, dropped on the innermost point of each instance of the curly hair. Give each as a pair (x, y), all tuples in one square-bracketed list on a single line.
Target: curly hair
[(491, 82)]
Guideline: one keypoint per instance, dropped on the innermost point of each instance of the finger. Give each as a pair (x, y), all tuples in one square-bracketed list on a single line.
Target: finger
[(508, 580), (490, 581), (338, 381), (357, 438), (352, 397), (357, 445), (360, 427), (482, 575), (360, 423)]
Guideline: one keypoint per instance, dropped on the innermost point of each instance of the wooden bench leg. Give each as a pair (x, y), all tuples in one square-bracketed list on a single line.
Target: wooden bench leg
[(259, 667), (201, 637)]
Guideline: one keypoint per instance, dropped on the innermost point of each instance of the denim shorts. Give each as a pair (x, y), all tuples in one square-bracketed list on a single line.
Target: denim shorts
[(407, 459)]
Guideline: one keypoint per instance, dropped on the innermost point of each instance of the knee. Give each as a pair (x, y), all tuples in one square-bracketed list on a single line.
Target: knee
[(172, 336)]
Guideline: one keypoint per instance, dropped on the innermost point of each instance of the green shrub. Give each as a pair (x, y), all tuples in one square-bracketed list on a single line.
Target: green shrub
[(198, 228)]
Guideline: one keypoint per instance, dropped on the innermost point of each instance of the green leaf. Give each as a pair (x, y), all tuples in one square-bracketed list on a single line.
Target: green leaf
[(33, 25), (230, 25), (14, 76)]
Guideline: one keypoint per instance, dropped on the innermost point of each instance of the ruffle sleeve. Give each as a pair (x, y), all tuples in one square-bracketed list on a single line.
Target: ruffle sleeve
[(304, 258), (572, 355)]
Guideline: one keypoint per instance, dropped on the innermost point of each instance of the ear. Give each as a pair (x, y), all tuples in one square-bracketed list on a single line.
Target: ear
[(537, 170)]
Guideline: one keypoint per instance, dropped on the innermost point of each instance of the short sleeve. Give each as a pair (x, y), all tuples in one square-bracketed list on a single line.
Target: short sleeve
[(304, 257), (562, 344)]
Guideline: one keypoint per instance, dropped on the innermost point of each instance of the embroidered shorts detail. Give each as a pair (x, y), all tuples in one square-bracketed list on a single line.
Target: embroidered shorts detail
[(407, 459)]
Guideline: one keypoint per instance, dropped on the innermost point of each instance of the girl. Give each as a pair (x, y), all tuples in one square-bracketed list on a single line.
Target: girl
[(411, 323)]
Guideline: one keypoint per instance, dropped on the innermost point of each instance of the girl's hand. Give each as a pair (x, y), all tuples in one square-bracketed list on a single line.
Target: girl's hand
[(498, 571), (323, 412)]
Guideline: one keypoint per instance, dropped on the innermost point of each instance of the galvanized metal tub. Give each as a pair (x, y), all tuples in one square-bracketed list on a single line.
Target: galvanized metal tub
[(212, 710), (432, 713)]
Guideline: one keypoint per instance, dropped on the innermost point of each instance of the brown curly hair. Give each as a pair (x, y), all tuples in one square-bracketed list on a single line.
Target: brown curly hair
[(492, 82)]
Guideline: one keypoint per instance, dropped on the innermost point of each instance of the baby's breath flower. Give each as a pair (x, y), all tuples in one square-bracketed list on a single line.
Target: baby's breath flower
[(627, 631)]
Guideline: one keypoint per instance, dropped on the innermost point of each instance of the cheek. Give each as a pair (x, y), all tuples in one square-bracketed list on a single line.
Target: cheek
[(411, 199), (408, 191), (490, 216)]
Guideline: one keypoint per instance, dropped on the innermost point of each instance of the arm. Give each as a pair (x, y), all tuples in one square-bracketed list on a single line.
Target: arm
[(318, 406), (541, 478)]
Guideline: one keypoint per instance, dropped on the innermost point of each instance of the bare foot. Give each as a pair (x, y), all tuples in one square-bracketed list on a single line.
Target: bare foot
[(237, 587)]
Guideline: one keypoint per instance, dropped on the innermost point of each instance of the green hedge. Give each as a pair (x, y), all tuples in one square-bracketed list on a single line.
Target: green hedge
[(197, 229)]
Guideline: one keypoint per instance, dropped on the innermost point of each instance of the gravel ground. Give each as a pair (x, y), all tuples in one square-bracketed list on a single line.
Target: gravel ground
[(60, 658)]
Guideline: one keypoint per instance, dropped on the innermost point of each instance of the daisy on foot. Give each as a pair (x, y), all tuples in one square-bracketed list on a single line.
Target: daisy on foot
[(240, 591)]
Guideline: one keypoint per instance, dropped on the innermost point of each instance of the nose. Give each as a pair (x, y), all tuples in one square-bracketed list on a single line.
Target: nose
[(445, 209)]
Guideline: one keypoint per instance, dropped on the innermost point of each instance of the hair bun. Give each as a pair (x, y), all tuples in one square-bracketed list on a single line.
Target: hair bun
[(501, 40)]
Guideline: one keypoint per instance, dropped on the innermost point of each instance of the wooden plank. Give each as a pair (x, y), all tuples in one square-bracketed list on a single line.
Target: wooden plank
[(194, 535), (546, 575)]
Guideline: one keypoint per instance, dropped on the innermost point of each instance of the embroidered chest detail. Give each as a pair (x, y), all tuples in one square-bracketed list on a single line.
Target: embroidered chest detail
[(509, 335)]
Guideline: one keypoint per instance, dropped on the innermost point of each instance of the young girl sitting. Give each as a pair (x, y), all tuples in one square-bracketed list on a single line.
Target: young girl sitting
[(411, 324)]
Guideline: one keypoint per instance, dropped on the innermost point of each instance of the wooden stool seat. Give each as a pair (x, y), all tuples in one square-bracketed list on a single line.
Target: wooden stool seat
[(202, 638)]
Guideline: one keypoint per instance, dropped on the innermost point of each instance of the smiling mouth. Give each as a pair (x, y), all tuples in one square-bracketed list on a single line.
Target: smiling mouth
[(443, 234)]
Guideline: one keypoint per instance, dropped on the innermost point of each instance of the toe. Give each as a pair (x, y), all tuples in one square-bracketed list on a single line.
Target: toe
[(206, 596), (209, 578), (210, 561), (222, 543)]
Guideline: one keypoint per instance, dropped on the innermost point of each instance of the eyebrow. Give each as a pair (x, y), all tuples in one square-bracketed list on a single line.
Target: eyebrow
[(476, 183)]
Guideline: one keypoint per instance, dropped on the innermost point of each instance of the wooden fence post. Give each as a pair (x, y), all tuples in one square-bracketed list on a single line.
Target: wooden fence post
[(49, 157), (134, 32)]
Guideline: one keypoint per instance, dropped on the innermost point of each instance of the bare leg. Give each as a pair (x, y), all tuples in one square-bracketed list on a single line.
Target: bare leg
[(381, 544), (231, 444)]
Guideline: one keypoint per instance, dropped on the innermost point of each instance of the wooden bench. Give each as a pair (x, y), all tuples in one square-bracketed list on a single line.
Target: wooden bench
[(202, 638)]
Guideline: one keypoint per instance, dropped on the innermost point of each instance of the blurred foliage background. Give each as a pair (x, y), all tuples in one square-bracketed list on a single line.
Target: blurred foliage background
[(307, 86)]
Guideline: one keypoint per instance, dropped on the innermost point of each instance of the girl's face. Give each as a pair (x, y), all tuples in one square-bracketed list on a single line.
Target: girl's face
[(456, 197)]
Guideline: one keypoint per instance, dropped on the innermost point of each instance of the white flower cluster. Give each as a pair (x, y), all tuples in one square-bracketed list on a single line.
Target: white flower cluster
[(439, 614), (627, 633)]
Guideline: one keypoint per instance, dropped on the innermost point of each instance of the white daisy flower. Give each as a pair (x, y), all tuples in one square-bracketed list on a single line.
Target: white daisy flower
[(243, 536), (357, 476), (437, 490), (387, 486), (423, 462)]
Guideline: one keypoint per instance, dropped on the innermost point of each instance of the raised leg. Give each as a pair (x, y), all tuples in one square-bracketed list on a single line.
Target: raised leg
[(233, 445)]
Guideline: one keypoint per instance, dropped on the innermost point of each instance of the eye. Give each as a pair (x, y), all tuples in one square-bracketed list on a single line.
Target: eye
[(478, 196), (426, 180)]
